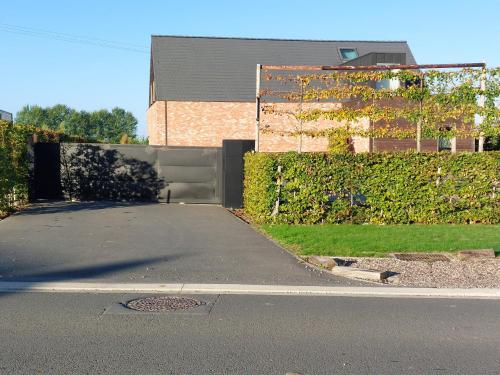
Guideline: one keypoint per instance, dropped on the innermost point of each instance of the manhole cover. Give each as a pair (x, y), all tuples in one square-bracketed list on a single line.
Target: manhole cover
[(156, 304), (415, 257)]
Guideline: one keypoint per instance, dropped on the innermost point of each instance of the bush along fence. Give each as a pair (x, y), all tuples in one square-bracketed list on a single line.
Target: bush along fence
[(13, 166), (16, 161), (385, 188)]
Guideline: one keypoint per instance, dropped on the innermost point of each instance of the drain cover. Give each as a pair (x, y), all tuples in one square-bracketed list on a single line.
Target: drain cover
[(416, 257), (156, 304)]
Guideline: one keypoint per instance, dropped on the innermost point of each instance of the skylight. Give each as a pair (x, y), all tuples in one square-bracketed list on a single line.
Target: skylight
[(348, 53)]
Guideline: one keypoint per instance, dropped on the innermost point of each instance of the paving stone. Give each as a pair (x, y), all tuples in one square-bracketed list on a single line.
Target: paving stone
[(371, 275), (421, 257), (322, 261), (481, 253)]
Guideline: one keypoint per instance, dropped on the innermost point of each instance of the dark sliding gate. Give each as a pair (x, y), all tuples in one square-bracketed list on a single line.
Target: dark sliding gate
[(86, 171), (191, 175)]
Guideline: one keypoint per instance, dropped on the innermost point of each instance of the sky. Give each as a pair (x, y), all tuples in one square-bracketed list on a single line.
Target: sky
[(76, 65)]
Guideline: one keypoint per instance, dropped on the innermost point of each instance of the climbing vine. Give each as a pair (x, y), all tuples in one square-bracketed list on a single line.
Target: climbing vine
[(398, 104)]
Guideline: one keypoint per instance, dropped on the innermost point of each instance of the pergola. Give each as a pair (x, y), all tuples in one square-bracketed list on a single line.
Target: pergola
[(261, 67)]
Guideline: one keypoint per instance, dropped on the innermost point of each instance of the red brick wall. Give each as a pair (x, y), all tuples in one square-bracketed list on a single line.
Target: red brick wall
[(208, 123), (466, 144), (390, 144), (427, 145), (178, 123), (156, 119)]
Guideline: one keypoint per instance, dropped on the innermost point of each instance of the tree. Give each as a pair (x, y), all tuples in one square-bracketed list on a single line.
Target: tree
[(102, 121), (58, 115), (80, 124), (32, 115), (101, 125), (114, 124)]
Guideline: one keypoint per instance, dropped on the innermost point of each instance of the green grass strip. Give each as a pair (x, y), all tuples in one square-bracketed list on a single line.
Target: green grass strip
[(379, 240)]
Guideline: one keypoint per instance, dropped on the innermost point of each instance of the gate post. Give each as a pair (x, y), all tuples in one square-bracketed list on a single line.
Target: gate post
[(232, 171), (30, 147), (47, 171)]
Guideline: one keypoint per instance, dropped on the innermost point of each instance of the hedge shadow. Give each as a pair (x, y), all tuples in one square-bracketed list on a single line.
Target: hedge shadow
[(89, 172)]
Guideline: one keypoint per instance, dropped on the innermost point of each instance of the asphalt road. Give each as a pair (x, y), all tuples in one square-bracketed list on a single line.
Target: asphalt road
[(100, 241), (63, 333)]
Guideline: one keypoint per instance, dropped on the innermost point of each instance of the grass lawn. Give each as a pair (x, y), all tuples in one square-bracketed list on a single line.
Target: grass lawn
[(378, 240)]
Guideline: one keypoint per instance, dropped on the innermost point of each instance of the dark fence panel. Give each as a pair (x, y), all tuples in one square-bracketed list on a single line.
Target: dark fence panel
[(86, 171), (46, 181), (110, 172), (233, 152), (191, 174)]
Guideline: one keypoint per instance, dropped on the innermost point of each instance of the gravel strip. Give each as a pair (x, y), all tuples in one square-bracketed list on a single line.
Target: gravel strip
[(473, 273)]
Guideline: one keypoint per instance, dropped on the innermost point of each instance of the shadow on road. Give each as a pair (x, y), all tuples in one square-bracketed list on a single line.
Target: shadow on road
[(82, 273), (58, 206)]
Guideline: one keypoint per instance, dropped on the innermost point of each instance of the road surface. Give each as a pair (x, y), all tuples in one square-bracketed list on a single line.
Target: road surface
[(65, 333)]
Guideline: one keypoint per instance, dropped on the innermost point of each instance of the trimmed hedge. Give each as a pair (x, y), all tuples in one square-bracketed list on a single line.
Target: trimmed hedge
[(382, 188), (15, 159)]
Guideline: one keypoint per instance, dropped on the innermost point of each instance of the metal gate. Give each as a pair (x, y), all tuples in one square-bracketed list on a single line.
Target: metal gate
[(191, 175), (87, 171), (127, 172)]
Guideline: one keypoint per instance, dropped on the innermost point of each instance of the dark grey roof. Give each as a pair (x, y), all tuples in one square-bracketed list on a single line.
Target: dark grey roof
[(223, 69)]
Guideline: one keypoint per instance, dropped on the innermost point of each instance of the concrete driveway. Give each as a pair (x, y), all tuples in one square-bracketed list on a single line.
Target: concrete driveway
[(116, 242)]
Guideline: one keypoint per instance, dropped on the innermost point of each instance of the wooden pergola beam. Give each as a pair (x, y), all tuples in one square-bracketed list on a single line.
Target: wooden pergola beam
[(371, 67)]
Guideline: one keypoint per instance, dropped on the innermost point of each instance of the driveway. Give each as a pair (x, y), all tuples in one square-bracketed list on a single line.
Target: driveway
[(116, 242)]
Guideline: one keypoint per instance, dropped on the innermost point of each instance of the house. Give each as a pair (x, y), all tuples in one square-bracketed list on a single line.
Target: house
[(6, 116), (202, 89)]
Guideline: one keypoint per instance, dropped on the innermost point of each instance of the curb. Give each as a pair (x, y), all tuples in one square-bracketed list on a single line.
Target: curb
[(244, 289), (352, 273)]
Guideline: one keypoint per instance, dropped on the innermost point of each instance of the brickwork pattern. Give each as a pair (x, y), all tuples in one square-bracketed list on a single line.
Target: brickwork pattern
[(206, 124), (157, 127)]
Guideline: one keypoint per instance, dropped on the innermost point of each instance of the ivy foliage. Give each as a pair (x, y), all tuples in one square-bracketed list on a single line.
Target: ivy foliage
[(385, 188)]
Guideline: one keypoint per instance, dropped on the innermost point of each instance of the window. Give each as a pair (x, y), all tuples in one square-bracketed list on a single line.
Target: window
[(348, 53)]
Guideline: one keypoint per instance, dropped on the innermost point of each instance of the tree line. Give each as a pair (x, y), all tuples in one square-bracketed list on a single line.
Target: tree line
[(115, 126)]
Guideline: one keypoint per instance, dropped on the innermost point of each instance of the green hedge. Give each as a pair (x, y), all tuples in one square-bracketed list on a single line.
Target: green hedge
[(384, 188), (13, 166), (14, 161)]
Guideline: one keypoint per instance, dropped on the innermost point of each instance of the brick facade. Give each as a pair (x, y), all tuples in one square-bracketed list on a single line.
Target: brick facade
[(206, 124), (156, 119)]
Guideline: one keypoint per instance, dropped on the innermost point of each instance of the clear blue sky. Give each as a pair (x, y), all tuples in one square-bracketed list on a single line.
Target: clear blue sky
[(47, 71)]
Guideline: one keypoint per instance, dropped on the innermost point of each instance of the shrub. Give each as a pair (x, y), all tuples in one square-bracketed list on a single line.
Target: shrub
[(260, 185), (13, 165), (15, 160), (385, 188)]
